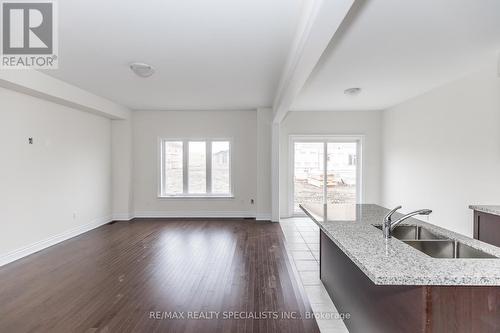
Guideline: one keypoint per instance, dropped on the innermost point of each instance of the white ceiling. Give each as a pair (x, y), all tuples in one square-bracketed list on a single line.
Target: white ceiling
[(395, 50), (226, 54)]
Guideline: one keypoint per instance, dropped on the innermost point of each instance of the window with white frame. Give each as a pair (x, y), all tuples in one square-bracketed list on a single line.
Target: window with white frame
[(195, 168)]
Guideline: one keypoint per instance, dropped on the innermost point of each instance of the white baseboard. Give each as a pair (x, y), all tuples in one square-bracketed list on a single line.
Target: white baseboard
[(195, 214), (122, 217), (263, 217), (43, 244)]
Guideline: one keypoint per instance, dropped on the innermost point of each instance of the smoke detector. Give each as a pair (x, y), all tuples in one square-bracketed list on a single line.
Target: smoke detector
[(352, 91), (142, 69)]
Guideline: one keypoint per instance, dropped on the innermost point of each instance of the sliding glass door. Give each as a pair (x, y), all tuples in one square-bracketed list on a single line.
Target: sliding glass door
[(341, 172), (325, 170), (309, 170)]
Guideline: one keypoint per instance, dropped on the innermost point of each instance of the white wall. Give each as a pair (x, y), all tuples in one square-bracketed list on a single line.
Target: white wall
[(240, 126), (122, 164), (442, 150), (367, 123), (56, 187), (263, 165)]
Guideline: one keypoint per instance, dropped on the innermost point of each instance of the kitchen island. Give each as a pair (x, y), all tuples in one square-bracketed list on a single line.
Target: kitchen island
[(390, 286)]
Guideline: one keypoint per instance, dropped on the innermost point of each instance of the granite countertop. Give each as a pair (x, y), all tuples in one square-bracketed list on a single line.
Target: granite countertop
[(490, 209), (392, 262)]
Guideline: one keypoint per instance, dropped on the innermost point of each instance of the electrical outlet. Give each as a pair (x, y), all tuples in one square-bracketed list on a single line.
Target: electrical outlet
[(30, 141), (252, 201)]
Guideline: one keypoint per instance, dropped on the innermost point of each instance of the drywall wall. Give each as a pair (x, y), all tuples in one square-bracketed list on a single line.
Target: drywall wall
[(441, 150), (366, 123), (239, 126), (60, 185), (122, 164), (263, 165)]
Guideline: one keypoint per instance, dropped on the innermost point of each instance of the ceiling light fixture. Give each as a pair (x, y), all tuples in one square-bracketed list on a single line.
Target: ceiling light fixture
[(141, 69), (352, 91)]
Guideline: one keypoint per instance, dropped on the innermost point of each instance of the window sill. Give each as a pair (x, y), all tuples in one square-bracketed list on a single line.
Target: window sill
[(181, 196)]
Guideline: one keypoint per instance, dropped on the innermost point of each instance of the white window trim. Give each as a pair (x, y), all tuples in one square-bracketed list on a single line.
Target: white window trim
[(185, 148), (359, 138)]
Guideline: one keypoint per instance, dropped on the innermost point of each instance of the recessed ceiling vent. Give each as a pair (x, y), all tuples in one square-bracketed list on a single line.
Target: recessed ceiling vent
[(352, 91), (142, 69)]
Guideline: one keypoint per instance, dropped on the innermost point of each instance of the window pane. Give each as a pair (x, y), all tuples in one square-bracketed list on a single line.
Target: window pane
[(173, 183), (341, 172), (197, 167), (220, 167), (308, 173)]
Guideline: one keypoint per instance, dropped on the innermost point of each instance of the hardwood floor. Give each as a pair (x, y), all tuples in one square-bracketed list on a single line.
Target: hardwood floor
[(128, 277)]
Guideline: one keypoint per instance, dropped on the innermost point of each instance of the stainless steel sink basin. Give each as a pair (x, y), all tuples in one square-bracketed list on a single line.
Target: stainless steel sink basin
[(447, 249), (412, 232)]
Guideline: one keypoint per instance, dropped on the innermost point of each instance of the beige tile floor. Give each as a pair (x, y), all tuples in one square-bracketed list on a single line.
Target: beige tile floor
[(302, 241)]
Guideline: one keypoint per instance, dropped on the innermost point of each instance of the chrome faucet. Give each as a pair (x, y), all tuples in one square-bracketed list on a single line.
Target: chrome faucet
[(389, 225)]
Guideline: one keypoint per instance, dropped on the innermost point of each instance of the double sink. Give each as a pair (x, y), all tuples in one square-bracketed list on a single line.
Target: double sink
[(434, 245)]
